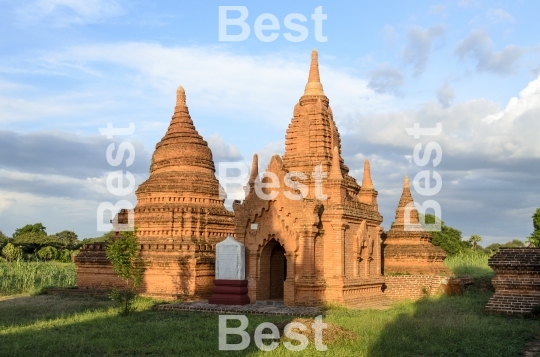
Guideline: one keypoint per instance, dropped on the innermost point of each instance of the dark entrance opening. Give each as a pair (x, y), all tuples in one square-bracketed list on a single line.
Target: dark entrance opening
[(278, 272)]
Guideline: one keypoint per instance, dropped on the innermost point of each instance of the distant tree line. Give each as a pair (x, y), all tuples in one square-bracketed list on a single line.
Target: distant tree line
[(451, 240), (32, 242)]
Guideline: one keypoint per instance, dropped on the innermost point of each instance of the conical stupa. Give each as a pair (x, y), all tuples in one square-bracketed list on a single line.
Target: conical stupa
[(180, 215), (407, 247)]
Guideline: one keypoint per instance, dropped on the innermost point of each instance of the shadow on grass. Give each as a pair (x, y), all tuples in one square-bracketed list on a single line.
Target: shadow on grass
[(454, 326), (94, 328), (474, 271), (80, 326)]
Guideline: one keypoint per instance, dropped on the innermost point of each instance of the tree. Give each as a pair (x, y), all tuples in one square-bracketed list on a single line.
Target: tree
[(37, 228), (3, 240), (448, 238), (68, 239), (534, 238), (105, 237), (31, 242), (47, 253), (474, 240), (11, 252), (123, 253)]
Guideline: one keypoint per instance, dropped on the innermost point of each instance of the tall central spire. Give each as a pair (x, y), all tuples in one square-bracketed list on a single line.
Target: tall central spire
[(314, 86)]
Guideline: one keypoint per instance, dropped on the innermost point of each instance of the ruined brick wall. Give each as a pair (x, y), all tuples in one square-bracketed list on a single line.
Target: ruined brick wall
[(171, 271), (94, 271), (411, 286), (516, 281)]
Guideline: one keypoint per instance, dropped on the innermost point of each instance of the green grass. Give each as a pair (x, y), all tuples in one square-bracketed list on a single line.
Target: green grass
[(470, 263), (31, 277), (82, 326)]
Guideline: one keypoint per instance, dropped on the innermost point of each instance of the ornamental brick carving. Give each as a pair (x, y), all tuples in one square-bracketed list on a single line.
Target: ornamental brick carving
[(324, 245)]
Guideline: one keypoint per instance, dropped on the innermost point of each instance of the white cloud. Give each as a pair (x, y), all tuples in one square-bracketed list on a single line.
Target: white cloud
[(445, 94), (221, 83), (499, 15), (385, 79), (437, 9), (63, 13), (420, 41), (222, 151), (518, 108), (475, 127), (479, 46), (389, 34)]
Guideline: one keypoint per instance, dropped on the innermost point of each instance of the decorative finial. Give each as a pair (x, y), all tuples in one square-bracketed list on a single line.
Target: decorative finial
[(314, 67), (254, 169), (335, 171), (314, 86), (366, 181), (180, 96), (405, 201)]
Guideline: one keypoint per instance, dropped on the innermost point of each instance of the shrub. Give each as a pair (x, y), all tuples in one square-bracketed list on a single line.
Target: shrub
[(65, 255), (11, 252), (123, 253), (47, 253)]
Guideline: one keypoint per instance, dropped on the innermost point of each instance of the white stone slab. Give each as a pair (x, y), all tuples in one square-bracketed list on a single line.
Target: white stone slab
[(230, 260)]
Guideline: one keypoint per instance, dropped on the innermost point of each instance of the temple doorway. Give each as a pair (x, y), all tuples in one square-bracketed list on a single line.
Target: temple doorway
[(278, 271), (273, 272)]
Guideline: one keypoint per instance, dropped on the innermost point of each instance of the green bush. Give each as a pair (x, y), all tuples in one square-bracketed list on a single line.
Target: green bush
[(12, 253), (65, 255), (47, 253)]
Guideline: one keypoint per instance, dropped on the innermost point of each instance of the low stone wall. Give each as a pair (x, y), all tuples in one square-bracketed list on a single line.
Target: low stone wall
[(94, 271), (516, 281), (170, 272), (412, 286)]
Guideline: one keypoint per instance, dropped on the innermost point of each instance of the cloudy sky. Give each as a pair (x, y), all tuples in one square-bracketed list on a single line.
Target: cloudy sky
[(67, 68)]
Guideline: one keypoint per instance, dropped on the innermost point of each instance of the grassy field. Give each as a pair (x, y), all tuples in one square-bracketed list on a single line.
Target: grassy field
[(30, 277), (43, 325), (470, 263)]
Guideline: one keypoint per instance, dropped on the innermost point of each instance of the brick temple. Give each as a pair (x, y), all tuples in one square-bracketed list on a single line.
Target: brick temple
[(316, 238)]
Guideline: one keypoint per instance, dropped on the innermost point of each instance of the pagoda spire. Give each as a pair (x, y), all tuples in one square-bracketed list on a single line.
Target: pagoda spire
[(366, 181), (254, 169), (180, 96), (404, 201), (182, 148), (314, 86), (335, 170)]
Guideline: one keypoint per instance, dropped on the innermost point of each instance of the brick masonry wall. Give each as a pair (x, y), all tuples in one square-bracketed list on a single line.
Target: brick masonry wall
[(516, 281), (411, 286)]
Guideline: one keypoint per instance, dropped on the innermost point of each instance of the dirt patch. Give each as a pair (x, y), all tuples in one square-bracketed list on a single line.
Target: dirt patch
[(331, 333)]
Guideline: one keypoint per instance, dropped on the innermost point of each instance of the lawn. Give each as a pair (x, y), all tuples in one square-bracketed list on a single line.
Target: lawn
[(45, 325), (42, 325)]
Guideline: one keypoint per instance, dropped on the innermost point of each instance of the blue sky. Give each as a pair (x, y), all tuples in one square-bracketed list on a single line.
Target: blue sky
[(68, 68)]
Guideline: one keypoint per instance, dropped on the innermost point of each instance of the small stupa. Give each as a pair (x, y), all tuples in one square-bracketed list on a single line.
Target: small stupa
[(407, 247)]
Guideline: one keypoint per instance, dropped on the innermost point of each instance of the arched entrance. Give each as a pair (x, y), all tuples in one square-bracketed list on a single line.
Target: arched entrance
[(273, 271), (278, 271)]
